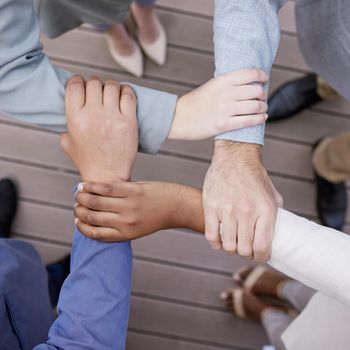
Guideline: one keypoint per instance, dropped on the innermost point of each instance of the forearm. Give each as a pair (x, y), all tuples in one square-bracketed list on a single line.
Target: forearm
[(310, 253), (246, 35), (32, 89)]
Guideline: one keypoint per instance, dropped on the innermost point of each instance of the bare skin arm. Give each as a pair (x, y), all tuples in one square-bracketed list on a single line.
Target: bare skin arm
[(125, 211)]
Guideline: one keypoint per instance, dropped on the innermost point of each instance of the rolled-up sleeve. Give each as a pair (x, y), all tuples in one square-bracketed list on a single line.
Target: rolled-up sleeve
[(246, 35)]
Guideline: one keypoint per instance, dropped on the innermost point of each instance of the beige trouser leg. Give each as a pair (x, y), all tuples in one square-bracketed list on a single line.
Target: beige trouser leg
[(331, 158)]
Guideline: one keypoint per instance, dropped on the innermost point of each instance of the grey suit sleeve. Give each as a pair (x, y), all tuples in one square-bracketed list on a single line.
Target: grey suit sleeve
[(246, 35), (32, 89)]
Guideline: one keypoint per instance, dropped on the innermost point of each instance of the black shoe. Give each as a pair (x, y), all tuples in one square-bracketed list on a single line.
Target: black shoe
[(8, 206), (293, 97), (331, 201), (57, 272)]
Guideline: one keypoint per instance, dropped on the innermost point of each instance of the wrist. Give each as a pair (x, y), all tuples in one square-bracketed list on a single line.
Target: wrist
[(176, 131), (233, 150), (188, 208)]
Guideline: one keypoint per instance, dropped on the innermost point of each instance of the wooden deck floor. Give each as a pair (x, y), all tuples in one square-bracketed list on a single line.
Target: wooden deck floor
[(177, 278)]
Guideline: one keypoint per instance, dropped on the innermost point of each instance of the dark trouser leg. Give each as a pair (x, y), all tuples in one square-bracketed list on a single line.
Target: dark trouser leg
[(25, 310)]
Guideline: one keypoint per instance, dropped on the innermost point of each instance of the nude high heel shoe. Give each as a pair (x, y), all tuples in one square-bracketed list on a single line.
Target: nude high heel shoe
[(131, 63), (157, 50)]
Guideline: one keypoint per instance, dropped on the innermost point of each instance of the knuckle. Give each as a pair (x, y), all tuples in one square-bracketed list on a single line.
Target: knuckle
[(90, 218), (269, 207), (246, 209), (93, 202), (261, 246), (254, 74), (221, 125), (112, 83), (95, 233), (211, 237), (258, 106), (228, 208), (75, 79), (260, 92), (244, 250), (65, 144), (107, 189), (128, 92), (229, 247), (131, 219)]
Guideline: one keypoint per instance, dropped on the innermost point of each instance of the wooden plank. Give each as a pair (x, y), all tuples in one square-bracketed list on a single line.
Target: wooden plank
[(141, 341), (41, 184), (203, 7), (213, 327), (44, 222), (206, 8), (182, 284)]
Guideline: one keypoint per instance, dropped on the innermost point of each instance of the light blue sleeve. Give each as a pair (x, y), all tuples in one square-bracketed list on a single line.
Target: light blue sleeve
[(32, 89), (246, 35)]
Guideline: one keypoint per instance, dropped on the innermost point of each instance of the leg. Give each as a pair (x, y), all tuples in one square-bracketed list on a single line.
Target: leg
[(275, 322), (245, 304), (24, 300), (297, 294), (93, 307)]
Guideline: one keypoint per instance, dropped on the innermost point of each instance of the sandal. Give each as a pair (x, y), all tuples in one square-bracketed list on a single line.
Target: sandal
[(263, 282), (246, 305)]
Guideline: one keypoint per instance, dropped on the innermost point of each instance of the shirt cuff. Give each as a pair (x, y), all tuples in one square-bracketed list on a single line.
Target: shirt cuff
[(155, 114), (254, 134)]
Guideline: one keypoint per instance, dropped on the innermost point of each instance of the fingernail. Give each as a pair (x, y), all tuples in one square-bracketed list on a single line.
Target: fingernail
[(266, 116), (80, 187), (75, 205), (76, 221)]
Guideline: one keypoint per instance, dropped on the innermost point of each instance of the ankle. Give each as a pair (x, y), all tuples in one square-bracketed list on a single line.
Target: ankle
[(142, 14)]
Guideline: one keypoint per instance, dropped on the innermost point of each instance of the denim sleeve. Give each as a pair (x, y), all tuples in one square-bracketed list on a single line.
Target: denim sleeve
[(93, 308), (246, 35), (32, 89)]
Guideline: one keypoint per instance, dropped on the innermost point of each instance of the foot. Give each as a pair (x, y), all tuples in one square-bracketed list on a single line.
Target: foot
[(331, 201), (245, 304), (8, 206), (293, 97), (57, 272), (121, 40), (146, 21), (260, 280)]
